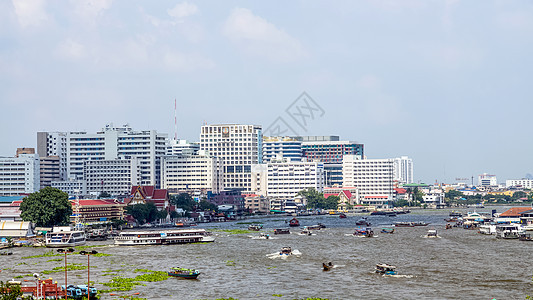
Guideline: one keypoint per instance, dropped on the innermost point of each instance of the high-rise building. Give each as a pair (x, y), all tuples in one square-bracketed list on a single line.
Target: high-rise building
[(19, 175), (199, 172), (281, 147), (54, 144), (112, 176), (178, 147), (374, 179), (330, 151), (49, 170), (113, 142), (403, 170), (238, 146)]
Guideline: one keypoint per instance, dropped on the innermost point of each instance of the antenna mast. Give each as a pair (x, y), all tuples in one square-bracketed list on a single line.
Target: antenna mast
[(175, 121)]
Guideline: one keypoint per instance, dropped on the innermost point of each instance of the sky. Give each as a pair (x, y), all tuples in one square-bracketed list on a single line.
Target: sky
[(447, 83)]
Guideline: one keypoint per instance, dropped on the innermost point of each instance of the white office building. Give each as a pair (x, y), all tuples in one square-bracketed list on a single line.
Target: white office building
[(283, 179), (200, 172), (403, 170), (487, 180), (520, 183), (19, 175), (113, 142), (72, 187), (238, 146), (54, 144), (113, 176), (285, 147), (374, 179), (178, 147)]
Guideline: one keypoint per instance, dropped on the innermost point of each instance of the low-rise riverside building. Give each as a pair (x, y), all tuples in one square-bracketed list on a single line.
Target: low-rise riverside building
[(98, 210)]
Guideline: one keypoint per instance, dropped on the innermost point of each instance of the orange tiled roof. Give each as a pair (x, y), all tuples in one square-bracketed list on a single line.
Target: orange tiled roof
[(514, 212)]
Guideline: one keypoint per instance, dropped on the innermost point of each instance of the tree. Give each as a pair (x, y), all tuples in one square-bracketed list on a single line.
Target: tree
[(206, 205), (313, 197), (10, 291), (46, 208), (143, 213), (104, 195), (332, 202), (162, 214), (183, 201)]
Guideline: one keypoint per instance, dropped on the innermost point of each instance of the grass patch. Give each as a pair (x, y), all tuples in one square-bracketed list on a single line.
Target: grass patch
[(55, 259), (46, 254), (70, 267), (120, 283), (230, 263)]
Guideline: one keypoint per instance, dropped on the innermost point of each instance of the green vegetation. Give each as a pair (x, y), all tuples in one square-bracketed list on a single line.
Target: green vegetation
[(317, 200), (46, 254), (233, 231), (10, 291), (127, 284), (230, 263), (70, 267), (46, 208), (183, 201), (143, 213), (55, 259)]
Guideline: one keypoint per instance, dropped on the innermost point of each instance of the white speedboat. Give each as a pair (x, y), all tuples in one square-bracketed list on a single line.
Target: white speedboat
[(432, 233), (163, 237), (64, 237)]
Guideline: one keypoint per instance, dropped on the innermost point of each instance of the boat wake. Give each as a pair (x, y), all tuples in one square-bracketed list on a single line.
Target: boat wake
[(262, 237), (277, 255), (398, 276), (431, 237)]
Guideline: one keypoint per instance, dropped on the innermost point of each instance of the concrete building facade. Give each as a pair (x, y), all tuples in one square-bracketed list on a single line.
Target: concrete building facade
[(54, 144), (403, 170), (19, 175), (238, 146), (374, 179), (281, 147), (113, 142), (199, 172), (113, 176)]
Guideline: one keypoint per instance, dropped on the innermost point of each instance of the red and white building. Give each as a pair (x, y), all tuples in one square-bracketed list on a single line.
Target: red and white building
[(98, 210), (149, 194), (347, 195)]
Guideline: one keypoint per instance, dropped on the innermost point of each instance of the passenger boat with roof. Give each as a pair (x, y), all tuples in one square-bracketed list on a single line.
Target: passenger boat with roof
[(386, 269), (163, 237), (294, 222), (364, 232), (507, 231), (64, 236)]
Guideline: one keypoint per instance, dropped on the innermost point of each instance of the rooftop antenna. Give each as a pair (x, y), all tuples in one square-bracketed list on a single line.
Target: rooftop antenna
[(175, 121)]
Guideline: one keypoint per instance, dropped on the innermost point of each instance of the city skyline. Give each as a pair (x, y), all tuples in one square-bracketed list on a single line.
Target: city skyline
[(415, 78)]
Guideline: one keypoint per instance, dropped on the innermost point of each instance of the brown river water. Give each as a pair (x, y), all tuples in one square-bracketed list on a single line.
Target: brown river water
[(461, 264)]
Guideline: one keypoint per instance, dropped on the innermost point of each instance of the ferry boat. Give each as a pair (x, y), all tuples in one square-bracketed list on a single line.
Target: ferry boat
[(64, 237), (507, 231), (163, 237)]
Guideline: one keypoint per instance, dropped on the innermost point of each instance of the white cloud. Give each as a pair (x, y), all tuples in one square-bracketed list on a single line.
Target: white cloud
[(70, 49), (30, 13), (182, 10), (182, 62), (256, 36), (90, 10)]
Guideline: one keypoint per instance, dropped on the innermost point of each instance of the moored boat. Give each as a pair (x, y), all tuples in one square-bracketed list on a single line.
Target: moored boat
[(507, 231), (525, 237), (163, 237), (65, 237), (184, 273), (404, 224), (420, 223)]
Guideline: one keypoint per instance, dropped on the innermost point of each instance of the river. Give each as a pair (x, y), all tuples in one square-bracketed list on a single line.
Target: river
[(462, 264)]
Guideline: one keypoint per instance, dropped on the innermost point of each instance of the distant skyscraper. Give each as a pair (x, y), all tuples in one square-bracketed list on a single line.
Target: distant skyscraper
[(239, 146), (403, 170), (281, 147), (117, 142), (54, 144)]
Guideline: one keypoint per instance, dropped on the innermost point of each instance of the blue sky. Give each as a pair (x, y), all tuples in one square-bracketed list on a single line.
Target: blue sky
[(444, 82)]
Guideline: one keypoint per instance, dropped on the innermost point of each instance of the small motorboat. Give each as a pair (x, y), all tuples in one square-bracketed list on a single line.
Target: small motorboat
[(264, 236), (387, 230), (364, 232), (294, 222), (432, 233), (255, 227), (448, 226), (525, 238), (342, 215), (6, 253), (184, 273), (420, 223), (306, 231), (386, 269), (92, 290), (73, 291), (285, 251), (363, 222), (281, 231), (327, 267)]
